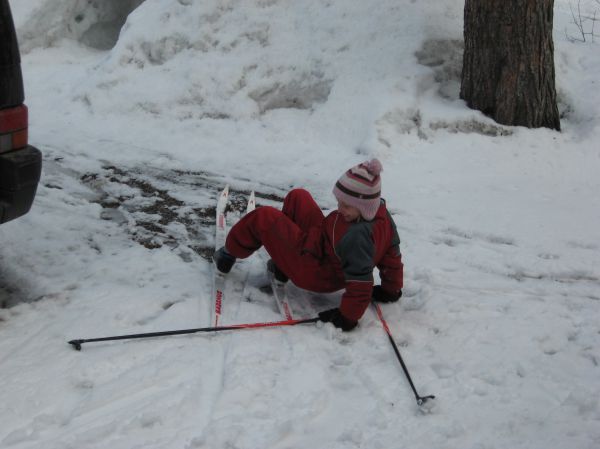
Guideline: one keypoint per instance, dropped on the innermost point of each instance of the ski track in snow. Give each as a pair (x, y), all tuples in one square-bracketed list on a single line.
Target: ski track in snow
[(275, 387), (259, 384)]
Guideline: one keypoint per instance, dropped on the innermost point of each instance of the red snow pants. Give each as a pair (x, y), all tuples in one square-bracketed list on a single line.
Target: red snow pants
[(293, 239)]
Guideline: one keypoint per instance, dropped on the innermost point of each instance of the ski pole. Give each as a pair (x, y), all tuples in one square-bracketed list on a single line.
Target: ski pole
[(420, 399), (77, 343)]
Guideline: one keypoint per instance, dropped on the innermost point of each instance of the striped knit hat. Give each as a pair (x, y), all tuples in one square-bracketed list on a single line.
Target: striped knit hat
[(360, 187)]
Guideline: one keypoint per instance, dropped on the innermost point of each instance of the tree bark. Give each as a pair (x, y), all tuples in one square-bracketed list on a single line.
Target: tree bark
[(508, 62)]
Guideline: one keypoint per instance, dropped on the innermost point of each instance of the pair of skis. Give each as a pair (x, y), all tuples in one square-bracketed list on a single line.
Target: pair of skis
[(220, 279)]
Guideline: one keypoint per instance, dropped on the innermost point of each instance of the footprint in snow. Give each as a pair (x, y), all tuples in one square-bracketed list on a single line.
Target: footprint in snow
[(157, 312), (415, 297), (442, 370), (471, 235)]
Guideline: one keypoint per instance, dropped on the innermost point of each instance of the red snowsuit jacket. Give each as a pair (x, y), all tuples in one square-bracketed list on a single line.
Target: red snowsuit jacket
[(350, 252)]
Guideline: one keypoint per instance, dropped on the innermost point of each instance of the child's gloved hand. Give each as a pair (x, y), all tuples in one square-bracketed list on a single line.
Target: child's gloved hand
[(335, 317), (380, 295)]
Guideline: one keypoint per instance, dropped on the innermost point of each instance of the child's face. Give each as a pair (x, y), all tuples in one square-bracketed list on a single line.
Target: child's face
[(350, 213)]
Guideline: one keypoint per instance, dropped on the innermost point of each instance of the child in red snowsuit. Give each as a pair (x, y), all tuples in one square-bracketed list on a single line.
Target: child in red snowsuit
[(326, 254)]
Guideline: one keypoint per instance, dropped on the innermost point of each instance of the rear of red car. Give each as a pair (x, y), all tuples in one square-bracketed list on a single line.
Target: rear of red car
[(20, 163)]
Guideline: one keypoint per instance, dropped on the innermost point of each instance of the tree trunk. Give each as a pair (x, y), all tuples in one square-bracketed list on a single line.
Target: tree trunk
[(508, 63)]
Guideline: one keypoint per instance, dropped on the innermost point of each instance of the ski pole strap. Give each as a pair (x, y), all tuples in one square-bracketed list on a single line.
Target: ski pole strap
[(77, 343), (420, 399)]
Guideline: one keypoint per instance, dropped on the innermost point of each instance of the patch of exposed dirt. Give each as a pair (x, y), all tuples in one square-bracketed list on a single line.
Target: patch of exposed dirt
[(169, 207)]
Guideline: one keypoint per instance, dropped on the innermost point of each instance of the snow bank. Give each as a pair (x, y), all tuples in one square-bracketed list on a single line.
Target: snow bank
[(93, 23)]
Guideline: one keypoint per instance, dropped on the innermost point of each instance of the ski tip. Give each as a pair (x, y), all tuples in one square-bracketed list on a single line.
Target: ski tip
[(251, 202)]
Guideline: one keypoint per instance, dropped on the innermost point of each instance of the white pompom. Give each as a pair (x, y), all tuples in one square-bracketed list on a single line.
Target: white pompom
[(373, 166)]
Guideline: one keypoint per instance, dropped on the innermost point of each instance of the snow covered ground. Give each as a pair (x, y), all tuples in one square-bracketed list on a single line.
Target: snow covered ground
[(500, 232)]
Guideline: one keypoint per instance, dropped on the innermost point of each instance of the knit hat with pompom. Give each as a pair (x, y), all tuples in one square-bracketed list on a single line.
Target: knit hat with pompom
[(360, 187)]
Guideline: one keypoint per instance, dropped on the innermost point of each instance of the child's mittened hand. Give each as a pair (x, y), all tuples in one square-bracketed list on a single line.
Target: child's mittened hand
[(335, 317), (380, 295)]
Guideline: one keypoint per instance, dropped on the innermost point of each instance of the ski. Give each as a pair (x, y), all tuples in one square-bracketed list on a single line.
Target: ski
[(220, 284), (251, 202), (281, 297), (220, 234), (221, 231)]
